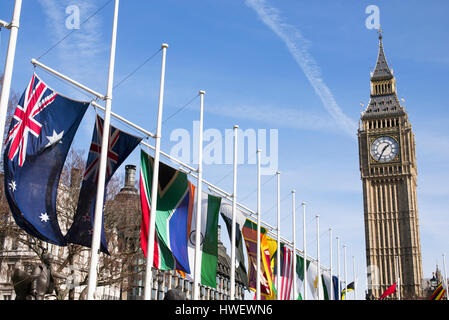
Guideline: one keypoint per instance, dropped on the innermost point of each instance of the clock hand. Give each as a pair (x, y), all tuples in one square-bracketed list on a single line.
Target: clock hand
[(383, 150)]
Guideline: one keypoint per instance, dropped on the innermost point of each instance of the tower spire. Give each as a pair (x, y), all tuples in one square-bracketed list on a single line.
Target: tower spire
[(382, 71)]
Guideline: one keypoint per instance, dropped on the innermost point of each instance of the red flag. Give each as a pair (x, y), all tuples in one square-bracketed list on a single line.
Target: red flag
[(390, 290)]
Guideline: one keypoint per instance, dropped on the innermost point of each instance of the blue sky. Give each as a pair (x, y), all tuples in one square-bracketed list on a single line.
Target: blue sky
[(300, 67)]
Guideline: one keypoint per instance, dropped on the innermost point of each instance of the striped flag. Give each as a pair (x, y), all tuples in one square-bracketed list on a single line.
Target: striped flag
[(285, 286), (174, 206), (210, 207), (438, 293)]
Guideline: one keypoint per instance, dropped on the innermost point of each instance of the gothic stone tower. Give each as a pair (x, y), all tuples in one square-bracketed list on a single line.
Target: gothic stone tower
[(388, 172)]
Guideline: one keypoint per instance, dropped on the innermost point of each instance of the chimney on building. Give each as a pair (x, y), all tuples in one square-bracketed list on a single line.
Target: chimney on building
[(130, 176), (130, 179)]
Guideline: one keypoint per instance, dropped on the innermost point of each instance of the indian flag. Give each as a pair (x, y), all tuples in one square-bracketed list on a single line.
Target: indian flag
[(210, 207)]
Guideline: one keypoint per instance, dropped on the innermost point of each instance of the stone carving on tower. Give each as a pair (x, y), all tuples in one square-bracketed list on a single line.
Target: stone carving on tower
[(389, 177)]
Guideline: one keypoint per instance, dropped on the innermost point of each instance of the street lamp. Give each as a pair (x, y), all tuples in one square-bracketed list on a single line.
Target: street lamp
[(433, 282)]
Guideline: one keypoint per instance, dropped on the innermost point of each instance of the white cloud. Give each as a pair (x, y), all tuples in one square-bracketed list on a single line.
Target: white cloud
[(298, 48), (78, 53)]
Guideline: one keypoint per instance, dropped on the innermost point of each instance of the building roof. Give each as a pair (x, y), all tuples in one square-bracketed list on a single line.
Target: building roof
[(386, 104), (382, 70)]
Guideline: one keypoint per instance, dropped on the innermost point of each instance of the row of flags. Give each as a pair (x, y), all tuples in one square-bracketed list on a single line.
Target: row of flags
[(42, 130), (40, 135)]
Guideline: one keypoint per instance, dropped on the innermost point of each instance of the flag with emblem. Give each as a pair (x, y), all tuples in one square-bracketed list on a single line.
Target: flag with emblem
[(313, 293), (121, 144), (41, 132), (250, 235), (208, 256), (174, 208)]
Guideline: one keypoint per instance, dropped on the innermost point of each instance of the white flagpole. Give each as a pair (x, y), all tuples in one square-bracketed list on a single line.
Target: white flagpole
[(398, 278), (99, 202), (346, 272), (294, 242), (318, 255), (331, 296), (9, 63), (197, 267), (304, 249), (258, 227), (278, 258), (234, 209), (155, 183), (445, 277), (338, 268), (355, 281)]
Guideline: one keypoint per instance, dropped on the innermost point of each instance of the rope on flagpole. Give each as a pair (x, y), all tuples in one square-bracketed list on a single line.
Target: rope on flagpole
[(137, 69)]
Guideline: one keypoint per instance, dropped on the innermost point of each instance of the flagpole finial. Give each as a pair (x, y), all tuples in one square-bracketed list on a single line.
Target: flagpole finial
[(164, 46), (278, 172), (202, 92), (293, 191), (236, 126)]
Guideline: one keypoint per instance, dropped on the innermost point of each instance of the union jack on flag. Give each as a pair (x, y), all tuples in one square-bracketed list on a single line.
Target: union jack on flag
[(41, 132), (120, 145), (95, 150), (37, 97)]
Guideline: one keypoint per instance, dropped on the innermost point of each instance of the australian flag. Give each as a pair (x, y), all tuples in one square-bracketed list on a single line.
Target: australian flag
[(41, 132), (121, 144)]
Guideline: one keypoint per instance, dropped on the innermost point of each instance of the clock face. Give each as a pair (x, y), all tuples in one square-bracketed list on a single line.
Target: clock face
[(384, 149)]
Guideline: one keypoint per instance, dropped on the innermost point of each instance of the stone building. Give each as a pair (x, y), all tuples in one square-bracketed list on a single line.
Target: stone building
[(388, 171)]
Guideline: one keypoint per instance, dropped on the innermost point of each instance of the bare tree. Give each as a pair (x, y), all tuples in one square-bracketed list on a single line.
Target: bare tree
[(14, 98)]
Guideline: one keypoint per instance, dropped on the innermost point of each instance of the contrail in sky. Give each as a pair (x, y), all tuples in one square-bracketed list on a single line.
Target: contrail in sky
[(298, 47)]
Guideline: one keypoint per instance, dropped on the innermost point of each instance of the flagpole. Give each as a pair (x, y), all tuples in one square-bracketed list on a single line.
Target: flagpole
[(353, 271), (99, 202), (338, 268), (330, 264), (199, 192), (9, 63), (258, 227), (303, 204), (234, 209), (445, 277), (398, 278), (318, 255), (345, 271), (294, 242), (278, 257), (155, 183)]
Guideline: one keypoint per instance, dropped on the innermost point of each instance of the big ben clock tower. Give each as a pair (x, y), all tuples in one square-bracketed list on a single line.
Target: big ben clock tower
[(389, 177)]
